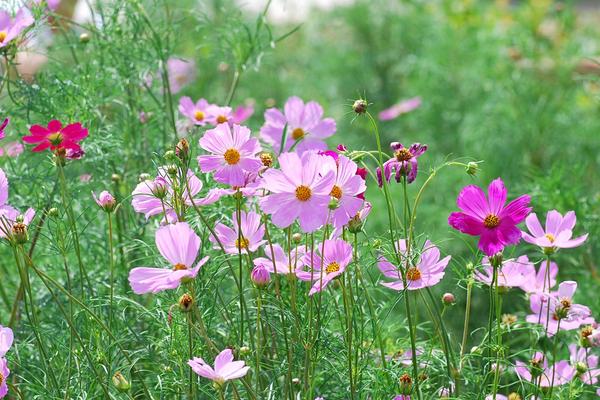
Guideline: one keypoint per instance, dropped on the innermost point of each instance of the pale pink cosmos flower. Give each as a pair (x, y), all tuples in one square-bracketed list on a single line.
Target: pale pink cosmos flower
[(9, 214), (562, 371), (225, 368), (6, 341), (105, 200), (585, 364), (558, 233), (427, 271), (233, 152), (303, 124), (337, 254), (195, 112), (5, 373), (216, 115), (512, 273), (181, 73), (11, 28), (298, 191), (12, 149), (398, 109), (283, 263), (179, 245), (537, 282), (251, 238)]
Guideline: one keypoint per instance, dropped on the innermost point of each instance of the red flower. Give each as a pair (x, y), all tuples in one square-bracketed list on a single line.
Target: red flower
[(56, 137)]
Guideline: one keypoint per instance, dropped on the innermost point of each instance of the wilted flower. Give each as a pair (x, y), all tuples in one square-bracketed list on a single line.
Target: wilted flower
[(558, 233), (248, 238), (105, 201), (542, 374), (403, 107), (403, 163), (11, 28), (336, 256), (55, 137), (225, 368), (512, 273)]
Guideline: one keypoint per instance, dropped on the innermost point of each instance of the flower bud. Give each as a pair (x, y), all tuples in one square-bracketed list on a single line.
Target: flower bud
[(405, 384), (144, 177), (472, 168), (186, 302), (297, 238), (120, 382), (341, 148), (244, 350), (19, 233), (260, 276), (360, 106), (84, 37), (172, 169), (333, 203), (296, 381), (182, 149), (448, 299), (53, 212), (170, 155), (106, 201), (160, 187), (496, 260), (581, 368), (116, 178)]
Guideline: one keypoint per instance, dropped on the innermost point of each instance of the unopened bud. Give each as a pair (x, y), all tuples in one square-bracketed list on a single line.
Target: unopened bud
[(84, 37), (333, 203), (405, 384), (182, 149), (172, 169), (106, 201), (53, 212), (297, 238), (472, 168), (159, 187), (120, 382), (360, 106), (170, 156), (581, 368), (116, 178), (260, 276), (19, 233), (186, 301), (244, 350), (448, 299)]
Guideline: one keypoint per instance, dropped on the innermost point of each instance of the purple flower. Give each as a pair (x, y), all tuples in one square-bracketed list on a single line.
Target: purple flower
[(179, 245), (336, 256), (4, 372), (562, 371), (251, 238), (2, 127), (196, 112), (6, 341), (490, 219), (538, 282), (427, 271), (585, 364), (298, 191), (558, 233), (10, 29), (225, 368), (403, 163), (398, 109), (301, 122), (512, 273), (282, 260), (233, 154), (105, 201), (260, 275), (181, 73), (242, 113)]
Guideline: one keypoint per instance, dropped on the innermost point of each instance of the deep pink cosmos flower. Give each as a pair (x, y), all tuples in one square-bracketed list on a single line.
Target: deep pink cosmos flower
[(2, 127), (55, 137), (225, 368), (303, 123), (512, 273), (282, 260), (558, 233), (179, 245), (537, 282), (402, 164), (196, 112), (490, 219), (11, 28), (427, 271), (398, 109), (233, 154), (346, 188), (260, 275), (585, 364), (105, 201), (337, 254), (181, 73), (542, 374), (298, 191), (252, 232)]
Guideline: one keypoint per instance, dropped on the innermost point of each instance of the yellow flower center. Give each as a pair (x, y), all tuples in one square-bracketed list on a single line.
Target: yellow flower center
[(298, 133), (1, 378), (242, 243), (333, 267), (413, 274), (232, 156), (221, 119), (336, 192), (55, 138), (491, 221), (403, 155), (179, 267), (303, 193), (199, 116), (266, 159), (550, 237), (566, 303), (514, 396), (3, 35)]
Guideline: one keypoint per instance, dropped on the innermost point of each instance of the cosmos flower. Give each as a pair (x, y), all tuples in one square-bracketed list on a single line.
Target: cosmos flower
[(218, 115), (55, 136), (427, 271), (12, 149), (252, 232), (398, 109), (303, 124), (562, 371), (558, 233), (490, 219), (298, 191), (9, 214), (6, 341), (233, 153), (2, 127), (179, 245), (512, 273), (585, 364), (11, 28), (537, 282), (403, 163), (181, 73), (196, 112), (225, 368), (105, 201), (4, 373), (282, 260), (337, 254)]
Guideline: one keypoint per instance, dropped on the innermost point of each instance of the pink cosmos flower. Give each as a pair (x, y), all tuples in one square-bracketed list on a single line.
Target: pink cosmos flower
[(512, 273), (302, 123), (401, 397), (233, 154), (242, 113), (398, 109), (251, 237), (12, 149), (427, 271), (11, 28), (260, 275), (538, 282), (562, 371), (9, 214), (282, 262), (85, 178), (196, 112), (225, 368), (105, 201), (337, 254), (218, 115), (181, 73), (6, 341), (2, 127), (558, 231), (298, 191), (561, 308), (404, 163), (490, 219), (55, 137), (585, 364), (179, 245)]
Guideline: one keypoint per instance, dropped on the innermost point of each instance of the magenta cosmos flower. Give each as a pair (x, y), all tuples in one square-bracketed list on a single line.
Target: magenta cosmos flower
[(427, 271), (225, 368), (195, 112), (251, 238), (403, 163), (491, 219), (398, 109), (512, 273), (337, 254), (562, 371), (346, 189), (537, 282), (233, 154), (11, 28), (298, 191), (55, 136), (558, 233), (585, 364), (2, 127), (284, 263), (181, 73), (179, 245), (303, 123)]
